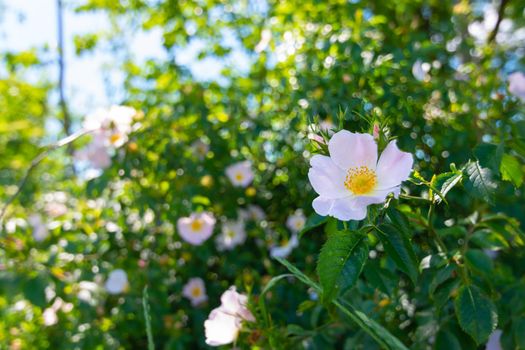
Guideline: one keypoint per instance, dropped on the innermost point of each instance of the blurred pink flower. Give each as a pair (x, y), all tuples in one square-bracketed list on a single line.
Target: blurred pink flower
[(296, 221), (233, 234), (117, 282), (282, 251), (517, 85), (225, 322), (240, 174), (195, 291), (196, 228), (40, 231)]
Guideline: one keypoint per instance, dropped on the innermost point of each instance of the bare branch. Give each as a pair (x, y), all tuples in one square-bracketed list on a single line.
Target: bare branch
[(36, 161), (501, 11)]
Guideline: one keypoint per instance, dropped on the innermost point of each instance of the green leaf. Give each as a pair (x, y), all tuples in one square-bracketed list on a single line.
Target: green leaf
[(445, 182), (374, 329), (476, 313), (147, 317), (299, 275), (480, 181), (340, 262), (489, 155), (510, 169), (379, 278), (34, 291), (262, 299), (518, 327), (312, 222), (447, 340), (400, 249), (479, 261)]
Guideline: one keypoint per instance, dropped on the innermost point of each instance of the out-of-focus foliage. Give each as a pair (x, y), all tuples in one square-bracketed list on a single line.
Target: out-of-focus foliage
[(441, 267)]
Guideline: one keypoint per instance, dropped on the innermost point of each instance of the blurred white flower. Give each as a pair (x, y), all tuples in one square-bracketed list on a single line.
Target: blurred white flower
[(86, 291), (240, 174), (283, 250), (494, 340), (55, 209), (224, 323), (200, 149), (96, 153), (50, 317), (481, 30), (351, 178), (517, 85), (117, 282), (314, 130), (40, 231), (195, 291), (113, 124), (196, 228), (420, 70), (221, 328), (266, 37), (296, 221), (252, 212), (233, 234)]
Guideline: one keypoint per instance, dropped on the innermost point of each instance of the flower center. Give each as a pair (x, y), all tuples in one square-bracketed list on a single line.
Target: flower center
[(196, 225), (114, 138), (360, 180), (239, 176), (230, 234), (196, 292)]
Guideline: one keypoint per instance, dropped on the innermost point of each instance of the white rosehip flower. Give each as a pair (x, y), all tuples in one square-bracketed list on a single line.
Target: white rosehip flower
[(296, 221), (40, 231), (221, 328), (326, 126), (420, 70), (240, 174), (283, 250), (494, 342), (50, 317), (195, 291), (96, 153), (225, 322), (196, 228), (113, 124), (255, 213), (266, 37), (233, 234), (87, 291), (117, 282), (351, 178), (200, 149), (55, 209), (517, 85), (235, 303)]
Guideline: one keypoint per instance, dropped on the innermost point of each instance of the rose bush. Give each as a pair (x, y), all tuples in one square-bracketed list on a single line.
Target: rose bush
[(358, 186)]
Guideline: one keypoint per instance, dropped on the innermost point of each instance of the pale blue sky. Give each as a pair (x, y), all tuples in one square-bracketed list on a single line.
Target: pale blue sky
[(28, 24)]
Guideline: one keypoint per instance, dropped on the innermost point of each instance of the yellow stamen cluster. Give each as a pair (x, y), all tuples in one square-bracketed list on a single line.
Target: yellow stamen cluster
[(196, 292), (196, 225), (360, 180), (239, 176)]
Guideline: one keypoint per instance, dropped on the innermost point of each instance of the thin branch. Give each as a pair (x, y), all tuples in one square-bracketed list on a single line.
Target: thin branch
[(501, 11), (62, 69), (36, 161)]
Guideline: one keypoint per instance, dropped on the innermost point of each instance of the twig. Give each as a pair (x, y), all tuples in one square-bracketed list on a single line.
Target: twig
[(62, 71), (501, 11), (36, 161)]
